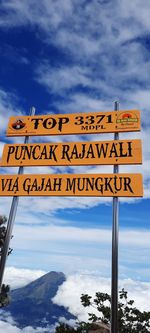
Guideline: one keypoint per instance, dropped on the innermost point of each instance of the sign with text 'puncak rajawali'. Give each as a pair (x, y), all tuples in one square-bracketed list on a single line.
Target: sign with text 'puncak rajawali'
[(78, 123), (79, 153), (98, 185)]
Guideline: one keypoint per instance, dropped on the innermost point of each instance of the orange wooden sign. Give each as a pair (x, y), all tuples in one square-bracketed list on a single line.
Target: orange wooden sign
[(97, 185), (78, 123), (79, 153)]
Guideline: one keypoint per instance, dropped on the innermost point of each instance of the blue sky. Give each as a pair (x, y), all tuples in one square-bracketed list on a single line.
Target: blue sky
[(77, 56)]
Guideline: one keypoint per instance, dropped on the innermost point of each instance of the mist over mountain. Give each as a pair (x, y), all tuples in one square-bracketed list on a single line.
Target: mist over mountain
[(32, 305)]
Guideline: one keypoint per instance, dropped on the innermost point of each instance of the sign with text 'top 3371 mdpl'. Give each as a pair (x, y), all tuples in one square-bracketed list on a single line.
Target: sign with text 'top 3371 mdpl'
[(78, 123)]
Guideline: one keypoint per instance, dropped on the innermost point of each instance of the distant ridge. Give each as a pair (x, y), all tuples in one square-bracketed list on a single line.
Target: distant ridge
[(32, 305)]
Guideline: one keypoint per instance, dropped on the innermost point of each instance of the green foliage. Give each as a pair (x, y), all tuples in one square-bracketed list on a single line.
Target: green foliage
[(3, 230), (130, 319), (100, 303), (64, 328), (4, 290), (3, 219), (4, 295), (81, 328)]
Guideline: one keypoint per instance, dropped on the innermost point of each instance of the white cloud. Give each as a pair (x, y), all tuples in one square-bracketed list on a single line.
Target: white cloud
[(65, 233), (1, 148), (108, 41), (49, 205), (47, 15), (57, 79), (70, 322), (65, 21), (137, 10), (103, 41), (8, 107), (69, 293), (6, 327), (69, 249), (78, 102), (9, 328), (19, 277), (105, 23)]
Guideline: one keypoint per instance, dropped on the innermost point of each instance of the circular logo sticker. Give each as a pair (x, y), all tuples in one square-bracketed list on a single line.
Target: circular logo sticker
[(18, 124), (127, 119)]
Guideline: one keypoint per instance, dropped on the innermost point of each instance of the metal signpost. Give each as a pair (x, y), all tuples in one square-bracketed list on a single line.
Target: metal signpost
[(114, 276), (79, 153), (11, 220)]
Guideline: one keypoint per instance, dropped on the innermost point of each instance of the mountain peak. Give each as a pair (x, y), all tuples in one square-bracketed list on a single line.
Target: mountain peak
[(32, 305), (45, 286)]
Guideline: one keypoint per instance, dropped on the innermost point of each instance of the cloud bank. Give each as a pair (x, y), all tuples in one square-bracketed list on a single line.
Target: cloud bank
[(70, 291)]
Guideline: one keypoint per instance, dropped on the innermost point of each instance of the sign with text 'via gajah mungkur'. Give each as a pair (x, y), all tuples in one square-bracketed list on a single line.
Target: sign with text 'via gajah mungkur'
[(78, 123), (79, 153), (106, 185)]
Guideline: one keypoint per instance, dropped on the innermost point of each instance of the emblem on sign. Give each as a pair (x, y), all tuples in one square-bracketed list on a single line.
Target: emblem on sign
[(126, 119), (18, 124)]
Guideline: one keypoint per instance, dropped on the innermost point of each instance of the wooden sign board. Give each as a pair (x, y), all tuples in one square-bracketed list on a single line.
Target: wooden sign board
[(89, 185), (78, 123), (79, 153)]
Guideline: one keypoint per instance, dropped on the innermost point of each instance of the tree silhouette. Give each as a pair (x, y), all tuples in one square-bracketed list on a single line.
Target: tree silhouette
[(4, 290), (130, 319)]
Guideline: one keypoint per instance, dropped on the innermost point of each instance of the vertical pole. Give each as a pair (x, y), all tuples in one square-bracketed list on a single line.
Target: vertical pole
[(114, 278), (11, 219)]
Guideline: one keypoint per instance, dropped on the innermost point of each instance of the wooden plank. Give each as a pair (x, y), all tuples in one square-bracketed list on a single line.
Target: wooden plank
[(78, 123), (78, 153), (89, 185)]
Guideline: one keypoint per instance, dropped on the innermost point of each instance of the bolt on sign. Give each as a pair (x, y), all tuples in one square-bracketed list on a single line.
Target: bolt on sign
[(79, 153), (78, 123), (98, 185)]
